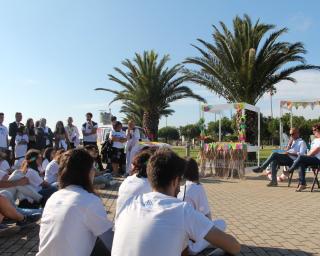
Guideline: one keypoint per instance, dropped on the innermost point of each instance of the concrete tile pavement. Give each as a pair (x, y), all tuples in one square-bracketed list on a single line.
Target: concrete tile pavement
[(267, 221)]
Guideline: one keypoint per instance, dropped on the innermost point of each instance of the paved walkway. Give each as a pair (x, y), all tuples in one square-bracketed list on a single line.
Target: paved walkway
[(267, 221)]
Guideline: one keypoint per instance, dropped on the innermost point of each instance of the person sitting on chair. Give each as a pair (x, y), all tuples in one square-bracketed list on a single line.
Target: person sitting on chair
[(311, 159), (295, 148)]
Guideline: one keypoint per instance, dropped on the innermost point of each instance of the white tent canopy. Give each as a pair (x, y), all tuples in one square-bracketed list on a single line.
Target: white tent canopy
[(229, 106)]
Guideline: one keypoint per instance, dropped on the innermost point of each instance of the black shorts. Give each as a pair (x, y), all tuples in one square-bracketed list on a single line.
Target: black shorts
[(117, 155)]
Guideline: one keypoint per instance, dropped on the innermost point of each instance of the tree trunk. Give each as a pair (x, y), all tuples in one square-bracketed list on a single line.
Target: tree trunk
[(150, 124), (252, 127)]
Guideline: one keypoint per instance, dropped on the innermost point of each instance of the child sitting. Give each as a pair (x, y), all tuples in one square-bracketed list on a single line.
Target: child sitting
[(194, 193)]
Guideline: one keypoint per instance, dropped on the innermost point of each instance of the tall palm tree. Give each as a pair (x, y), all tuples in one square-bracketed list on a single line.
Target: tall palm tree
[(148, 88), (243, 64)]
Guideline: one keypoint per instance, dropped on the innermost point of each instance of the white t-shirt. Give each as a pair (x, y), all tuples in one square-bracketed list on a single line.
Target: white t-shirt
[(21, 149), (133, 138), (4, 166), (44, 164), (156, 224), (132, 186), (87, 128), (316, 144), (73, 134), (34, 179), (195, 195), (3, 136), (2, 174), (121, 134), (71, 221), (51, 172)]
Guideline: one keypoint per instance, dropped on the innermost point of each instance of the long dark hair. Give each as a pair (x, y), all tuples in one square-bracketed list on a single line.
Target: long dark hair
[(47, 153), (75, 168), (140, 162), (59, 130), (30, 160)]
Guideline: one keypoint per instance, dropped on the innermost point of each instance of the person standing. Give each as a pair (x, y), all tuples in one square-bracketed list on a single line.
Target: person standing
[(133, 136), (3, 135), (89, 131), (72, 133), (44, 135), (60, 136), (21, 146), (30, 131), (13, 129)]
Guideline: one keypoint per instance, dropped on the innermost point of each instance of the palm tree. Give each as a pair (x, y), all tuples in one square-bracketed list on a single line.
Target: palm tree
[(243, 64), (148, 88)]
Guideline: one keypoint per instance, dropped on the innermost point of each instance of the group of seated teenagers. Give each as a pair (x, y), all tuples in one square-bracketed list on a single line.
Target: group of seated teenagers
[(26, 187), (154, 215)]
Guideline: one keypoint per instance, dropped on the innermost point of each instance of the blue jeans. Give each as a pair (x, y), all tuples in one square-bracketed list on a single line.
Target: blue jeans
[(46, 193), (303, 162), (276, 160)]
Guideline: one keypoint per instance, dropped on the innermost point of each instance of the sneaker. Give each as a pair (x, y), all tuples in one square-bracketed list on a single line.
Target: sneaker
[(29, 220), (272, 184), (257, 169)]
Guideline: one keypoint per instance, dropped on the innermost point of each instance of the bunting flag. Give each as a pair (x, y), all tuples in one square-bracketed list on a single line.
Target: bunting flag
[(289, 104)]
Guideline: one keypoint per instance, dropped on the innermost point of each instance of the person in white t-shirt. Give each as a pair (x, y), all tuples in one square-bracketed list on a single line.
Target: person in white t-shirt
[(72, 133), (137, 183), (311, 159), (118, 138), (193, 192), (157, 223), (4, 142), (89, 131), (4, 165), (47, 157), (74, 216), (52, 169), (133, 136), (30, 169), (21, 146), (15, 187)]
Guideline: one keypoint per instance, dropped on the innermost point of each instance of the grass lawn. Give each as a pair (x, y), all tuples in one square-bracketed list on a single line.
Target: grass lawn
[(181, 151)]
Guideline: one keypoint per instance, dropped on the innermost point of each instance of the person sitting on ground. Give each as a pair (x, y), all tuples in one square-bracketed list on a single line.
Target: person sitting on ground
[(21, 146), (158, 222), (52, 169), (101, 177), (295, 148), (30, 169), (193, 193), (74, 216), (311, 159), (7, 210), (4, 164), (17, 189), (118, 138), (136, 184), (47, 157)]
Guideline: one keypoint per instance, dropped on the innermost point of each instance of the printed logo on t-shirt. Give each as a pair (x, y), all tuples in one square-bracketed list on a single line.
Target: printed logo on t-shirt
[(148, 204)]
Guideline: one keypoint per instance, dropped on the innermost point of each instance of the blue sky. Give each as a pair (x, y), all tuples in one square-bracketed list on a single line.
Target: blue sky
[(53, 53)]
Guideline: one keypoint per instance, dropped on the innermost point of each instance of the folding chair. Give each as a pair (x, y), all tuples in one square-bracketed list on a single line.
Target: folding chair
[(316, 172)]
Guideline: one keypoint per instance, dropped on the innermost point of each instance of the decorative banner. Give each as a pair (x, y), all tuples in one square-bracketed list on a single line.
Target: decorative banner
[(289, 104), (206, 108)]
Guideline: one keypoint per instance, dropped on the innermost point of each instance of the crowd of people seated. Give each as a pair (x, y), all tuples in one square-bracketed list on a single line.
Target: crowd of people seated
[(295, 156), (56, 183)]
